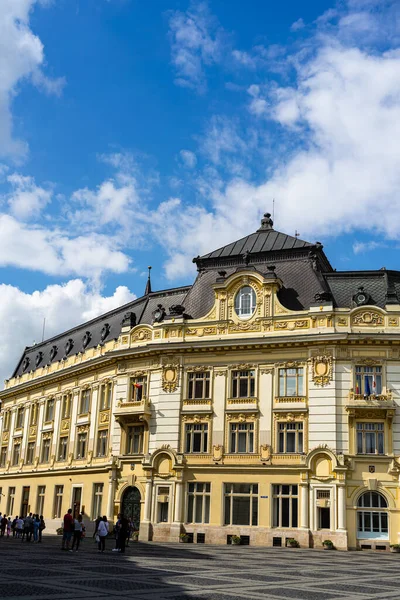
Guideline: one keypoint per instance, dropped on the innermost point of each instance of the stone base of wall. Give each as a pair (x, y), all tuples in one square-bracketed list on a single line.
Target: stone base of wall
[(261, 536)]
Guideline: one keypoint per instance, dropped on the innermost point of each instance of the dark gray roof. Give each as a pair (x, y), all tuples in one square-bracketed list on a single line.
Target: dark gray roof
[(382, 286), (111, 321), (260, 241)]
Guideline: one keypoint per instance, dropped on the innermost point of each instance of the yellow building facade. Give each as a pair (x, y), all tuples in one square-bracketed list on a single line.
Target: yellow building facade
[(262, 401)]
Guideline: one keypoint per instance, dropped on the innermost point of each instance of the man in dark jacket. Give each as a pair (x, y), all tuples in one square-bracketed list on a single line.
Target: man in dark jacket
[(123, 532)]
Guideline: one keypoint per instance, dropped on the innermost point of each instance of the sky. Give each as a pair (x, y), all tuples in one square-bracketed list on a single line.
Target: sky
[(146, 133)]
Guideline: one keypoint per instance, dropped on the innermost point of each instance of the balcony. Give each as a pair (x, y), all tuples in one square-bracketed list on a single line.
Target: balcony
[(197, 406), (242, 405), (359, 405), (133, 411)]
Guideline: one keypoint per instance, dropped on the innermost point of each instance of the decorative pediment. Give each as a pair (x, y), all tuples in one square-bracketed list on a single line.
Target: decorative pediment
[(141, 334), (368, 318)]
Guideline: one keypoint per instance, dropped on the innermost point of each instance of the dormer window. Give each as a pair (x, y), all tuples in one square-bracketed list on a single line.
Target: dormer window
[(245, 302)]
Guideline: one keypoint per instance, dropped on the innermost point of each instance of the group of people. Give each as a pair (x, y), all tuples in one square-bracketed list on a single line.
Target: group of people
[(74, 531), (27, 528)]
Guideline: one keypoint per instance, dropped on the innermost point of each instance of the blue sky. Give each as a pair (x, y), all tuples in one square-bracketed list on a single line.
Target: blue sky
[(136, 133)]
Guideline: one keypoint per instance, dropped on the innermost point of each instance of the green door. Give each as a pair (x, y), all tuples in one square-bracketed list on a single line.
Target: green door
[(131, 506)]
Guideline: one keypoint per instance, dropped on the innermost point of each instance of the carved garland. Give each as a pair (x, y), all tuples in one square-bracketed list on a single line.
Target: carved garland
[(368, 319)]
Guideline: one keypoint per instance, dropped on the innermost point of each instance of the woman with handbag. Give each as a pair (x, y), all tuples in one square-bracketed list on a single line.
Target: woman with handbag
[(102, 532)]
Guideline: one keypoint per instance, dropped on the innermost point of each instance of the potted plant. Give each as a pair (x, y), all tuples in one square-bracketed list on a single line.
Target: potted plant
[(328, 545), (135, 536), (293, 543), (184, 538), (235, 540), (394, 547)]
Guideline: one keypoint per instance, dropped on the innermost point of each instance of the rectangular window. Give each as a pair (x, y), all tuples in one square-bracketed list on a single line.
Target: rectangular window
[(105, 396), (58, 496), (81, 445), (33, 414), (290, 437), (20, 418), (199, 385), (50, 410), (6, 420), (134, 439), (370, 438), (16, 453), (241, 437), (241, 503), (66, 406), (102, 442), (243, 384), (97, 500), (368, 380), (198, 503), (10, 500), (285, 505), (63, 448), (40, 499), (84, 406), (3, 456), (30, 453), (196, 437), (291, 382), (45, 454), (138, 388)]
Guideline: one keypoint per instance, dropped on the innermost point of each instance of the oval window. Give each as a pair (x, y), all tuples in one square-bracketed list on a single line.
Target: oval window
[(245, 302)]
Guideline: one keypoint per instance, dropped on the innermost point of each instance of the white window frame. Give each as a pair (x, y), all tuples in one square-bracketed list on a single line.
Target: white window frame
[(284, 374), (246, 292), (199, 496), (277, 500)]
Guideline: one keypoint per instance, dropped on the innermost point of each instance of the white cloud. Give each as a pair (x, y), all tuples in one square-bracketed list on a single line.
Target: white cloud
[(21, 57), (244, 58), (27, 199), (63, 306), (196, 42), (188, 158), (221, 138), (55, 253), (297, 25), (341, 169), (361, 247)]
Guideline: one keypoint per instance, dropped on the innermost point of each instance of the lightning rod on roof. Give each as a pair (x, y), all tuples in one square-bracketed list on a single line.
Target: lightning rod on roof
[(273, 209), (296, 234), (44, 326)]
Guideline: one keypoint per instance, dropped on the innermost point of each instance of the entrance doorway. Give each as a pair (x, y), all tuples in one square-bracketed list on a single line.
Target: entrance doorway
[(25, 501), (324, 518), (130, 506), (76, 501)]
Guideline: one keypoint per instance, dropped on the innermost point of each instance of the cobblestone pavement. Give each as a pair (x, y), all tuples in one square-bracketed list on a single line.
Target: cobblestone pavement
[(193, 572)]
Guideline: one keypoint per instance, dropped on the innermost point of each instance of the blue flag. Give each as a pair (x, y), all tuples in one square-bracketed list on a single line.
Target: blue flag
[(367, 387)]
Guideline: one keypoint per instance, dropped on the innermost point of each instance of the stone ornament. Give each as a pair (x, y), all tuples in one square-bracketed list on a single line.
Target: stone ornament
[(141, 334), (170, 378), (217, 452), (321, 370), (368, 318)]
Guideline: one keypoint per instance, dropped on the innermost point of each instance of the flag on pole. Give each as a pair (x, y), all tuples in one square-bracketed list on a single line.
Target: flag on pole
[(367, 386)]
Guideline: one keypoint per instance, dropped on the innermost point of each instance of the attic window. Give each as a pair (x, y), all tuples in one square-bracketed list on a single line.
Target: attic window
[(245, 302)]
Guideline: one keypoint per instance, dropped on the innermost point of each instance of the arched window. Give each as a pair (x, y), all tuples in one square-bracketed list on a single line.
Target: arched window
[(245, 302), (372, 516)]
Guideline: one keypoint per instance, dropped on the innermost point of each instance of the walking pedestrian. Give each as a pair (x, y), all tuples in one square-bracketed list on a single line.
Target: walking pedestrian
[(68, 527), (102, 532), (13, 526), (9, 523), (77, 533), (3, 525), (116, 534), (30, 528), (19, 527), (123, 533), (42, 526), (36, 525)]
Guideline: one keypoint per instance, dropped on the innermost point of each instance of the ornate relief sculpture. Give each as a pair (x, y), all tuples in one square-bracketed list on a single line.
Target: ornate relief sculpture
[(321, 370)]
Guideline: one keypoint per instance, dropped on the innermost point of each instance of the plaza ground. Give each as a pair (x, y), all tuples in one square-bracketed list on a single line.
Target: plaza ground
[(193, 572)]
